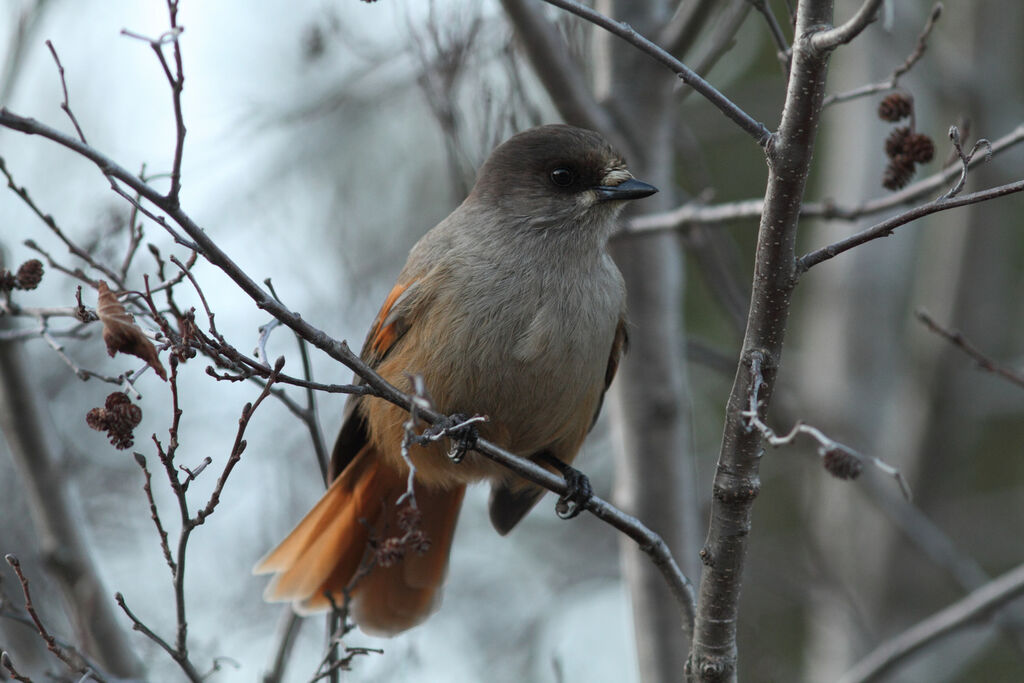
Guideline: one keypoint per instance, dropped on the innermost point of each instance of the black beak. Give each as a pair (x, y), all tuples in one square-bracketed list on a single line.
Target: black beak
[(631, 189)]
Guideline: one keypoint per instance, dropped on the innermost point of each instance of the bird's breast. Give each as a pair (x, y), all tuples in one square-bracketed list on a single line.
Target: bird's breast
[(530, 350)]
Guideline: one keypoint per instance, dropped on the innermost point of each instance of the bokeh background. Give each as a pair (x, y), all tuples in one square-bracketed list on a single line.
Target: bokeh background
[(318, 151)]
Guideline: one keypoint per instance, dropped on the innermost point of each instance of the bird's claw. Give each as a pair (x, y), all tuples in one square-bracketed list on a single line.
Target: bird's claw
[(460, 429), (577, 492)]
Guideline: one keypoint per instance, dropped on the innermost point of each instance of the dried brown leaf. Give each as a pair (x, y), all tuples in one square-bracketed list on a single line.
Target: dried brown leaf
[(121, 334)]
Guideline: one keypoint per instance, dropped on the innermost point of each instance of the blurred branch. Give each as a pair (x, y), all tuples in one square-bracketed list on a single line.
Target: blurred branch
[(755, 129), (288, 626), (23, 31), (894, 79), (558, 72), (697, 212), (939, 548), (782, 49), (686, 24), (62, 545), (722, 39), (961, 614), (885, 228), (957, 339)]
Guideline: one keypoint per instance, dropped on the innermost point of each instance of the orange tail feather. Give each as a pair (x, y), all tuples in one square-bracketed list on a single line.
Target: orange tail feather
[(325, 551)]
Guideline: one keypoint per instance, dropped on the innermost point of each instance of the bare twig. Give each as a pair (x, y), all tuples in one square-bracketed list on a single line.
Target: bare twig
[(154, 513), (176, 80), (308, 415), (64, 87), (237, 448), (135, 233), (51, 223), (886, 227), (957, 339), (755, 129), (5, 662), (138, 625), (840, 460), (975, 606), (965, 159), (191, 474), (894, 78), (937, 546), (176, 560)]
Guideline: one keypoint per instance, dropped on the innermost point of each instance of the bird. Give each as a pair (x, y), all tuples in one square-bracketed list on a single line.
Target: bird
[(510, 308)]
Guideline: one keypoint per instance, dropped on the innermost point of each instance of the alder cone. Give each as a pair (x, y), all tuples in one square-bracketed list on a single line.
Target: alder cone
[(895, 107)]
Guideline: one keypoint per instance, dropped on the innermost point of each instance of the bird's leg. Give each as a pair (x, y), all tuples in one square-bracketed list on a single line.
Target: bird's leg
[(459, 428), (577, 487)]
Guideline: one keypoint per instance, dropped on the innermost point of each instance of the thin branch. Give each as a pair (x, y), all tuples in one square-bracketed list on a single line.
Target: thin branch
[(5, 662), (722, 39), (154, 513), (237, 448), (754, 128), (51, 223), (138, 625), (309, 415), (961, 614), (649, 542), (886, 227), (135, 233), (957, 339), (64, 87), (825, 41), (894, 78)]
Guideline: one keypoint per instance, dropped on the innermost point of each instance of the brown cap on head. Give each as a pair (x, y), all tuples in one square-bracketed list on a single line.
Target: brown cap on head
[(557, 161)]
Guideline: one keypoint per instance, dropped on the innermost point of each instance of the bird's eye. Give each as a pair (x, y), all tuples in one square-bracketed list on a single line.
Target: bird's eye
[(563, 177)]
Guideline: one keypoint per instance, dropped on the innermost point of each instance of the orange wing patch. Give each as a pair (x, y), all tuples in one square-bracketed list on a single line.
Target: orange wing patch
[(386, 328)]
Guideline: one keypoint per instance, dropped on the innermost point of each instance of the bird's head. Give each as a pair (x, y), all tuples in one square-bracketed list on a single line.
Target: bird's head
[(557, 176)]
